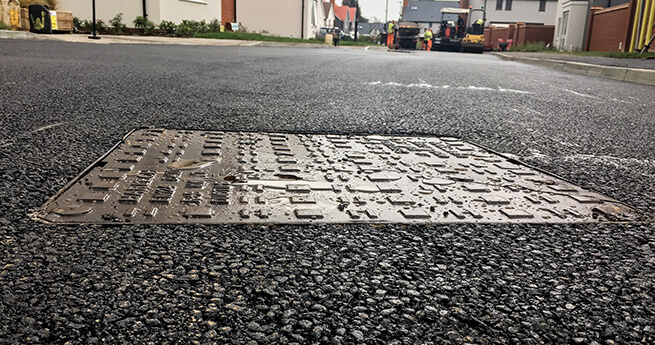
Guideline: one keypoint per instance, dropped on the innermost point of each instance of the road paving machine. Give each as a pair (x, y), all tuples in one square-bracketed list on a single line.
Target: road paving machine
[(459, 37), (406, 35)]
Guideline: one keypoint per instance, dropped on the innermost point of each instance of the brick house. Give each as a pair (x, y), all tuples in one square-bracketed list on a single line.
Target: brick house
[(596, 25)]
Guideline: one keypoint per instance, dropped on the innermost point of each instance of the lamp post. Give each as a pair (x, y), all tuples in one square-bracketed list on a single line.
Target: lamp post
[(356, 17), (95, 37), (386, 13)]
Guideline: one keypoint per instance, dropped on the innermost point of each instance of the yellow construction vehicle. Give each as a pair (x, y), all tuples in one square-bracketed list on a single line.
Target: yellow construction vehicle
[(474, 40), (460, 37)]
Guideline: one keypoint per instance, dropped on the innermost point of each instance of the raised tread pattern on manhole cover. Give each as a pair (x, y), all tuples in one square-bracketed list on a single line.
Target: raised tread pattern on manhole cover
[(182, 176)]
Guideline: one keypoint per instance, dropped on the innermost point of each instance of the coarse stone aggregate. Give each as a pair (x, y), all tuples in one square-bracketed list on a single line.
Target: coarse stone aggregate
[(65, 104)]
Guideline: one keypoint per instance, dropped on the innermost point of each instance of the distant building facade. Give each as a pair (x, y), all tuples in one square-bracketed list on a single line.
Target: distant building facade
[(155, 10), (572, 29), (427, 13), (530, 12)]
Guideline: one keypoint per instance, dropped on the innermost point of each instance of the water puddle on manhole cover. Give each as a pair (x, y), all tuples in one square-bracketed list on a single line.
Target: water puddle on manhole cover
[(173, 176)]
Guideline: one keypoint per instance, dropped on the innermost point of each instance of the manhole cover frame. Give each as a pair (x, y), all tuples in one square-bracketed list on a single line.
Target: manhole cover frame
[(41, 213)]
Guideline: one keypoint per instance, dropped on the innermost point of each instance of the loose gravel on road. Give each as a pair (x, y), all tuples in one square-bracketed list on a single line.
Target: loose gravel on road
[(64, 104)]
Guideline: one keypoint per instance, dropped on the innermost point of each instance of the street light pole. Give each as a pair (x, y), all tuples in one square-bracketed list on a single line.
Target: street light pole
[(386, 13), (356, 16), (95, 37)]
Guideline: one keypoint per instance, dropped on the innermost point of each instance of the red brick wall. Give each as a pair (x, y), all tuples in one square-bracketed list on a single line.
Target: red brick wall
[(491, 36), (520, 34), (609, 27), (536, 33), (228, 11)]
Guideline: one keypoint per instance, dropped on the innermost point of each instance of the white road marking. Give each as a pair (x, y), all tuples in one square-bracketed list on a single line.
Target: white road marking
[(41, 129), (424, 85), (579, 94)]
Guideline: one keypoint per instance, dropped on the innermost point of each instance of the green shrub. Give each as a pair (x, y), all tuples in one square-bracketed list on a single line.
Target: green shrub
[(214, 26), (77, 23), (4, 26), (117, 25), (145, 24), (202, 26), (188, 28), (168, 26), (532, 47), (88, 24)]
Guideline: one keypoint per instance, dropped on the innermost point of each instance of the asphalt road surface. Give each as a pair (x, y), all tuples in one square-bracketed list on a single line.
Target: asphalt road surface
[(62, 105)]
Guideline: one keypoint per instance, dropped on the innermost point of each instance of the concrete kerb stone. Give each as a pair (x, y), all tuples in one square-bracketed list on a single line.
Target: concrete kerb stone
[(634, 75), (616, 73), (11, 34), (576, 67), (641, 76), (20, 35)]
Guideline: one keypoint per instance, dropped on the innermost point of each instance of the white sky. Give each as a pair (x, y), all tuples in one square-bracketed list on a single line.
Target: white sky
[(376, 8)]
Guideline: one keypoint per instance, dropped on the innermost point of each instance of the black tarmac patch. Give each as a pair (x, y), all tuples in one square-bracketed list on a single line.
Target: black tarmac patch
[(164, 176)]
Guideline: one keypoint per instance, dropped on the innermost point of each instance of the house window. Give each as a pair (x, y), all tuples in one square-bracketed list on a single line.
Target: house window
[(508, 5), (499, 5), (313, 13), (542, 5), (565, 22)]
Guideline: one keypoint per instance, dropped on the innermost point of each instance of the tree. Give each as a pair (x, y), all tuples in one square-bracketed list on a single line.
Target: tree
[(355, 3)]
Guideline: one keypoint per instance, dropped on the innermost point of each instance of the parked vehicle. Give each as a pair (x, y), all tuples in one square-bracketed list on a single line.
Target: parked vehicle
[(324, 30)]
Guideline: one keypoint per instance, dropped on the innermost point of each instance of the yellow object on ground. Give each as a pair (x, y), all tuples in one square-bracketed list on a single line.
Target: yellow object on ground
[(329, 38), (14, 18), (53, 20)]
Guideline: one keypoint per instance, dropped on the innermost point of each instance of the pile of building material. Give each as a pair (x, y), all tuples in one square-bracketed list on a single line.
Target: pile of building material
[(12, 15)]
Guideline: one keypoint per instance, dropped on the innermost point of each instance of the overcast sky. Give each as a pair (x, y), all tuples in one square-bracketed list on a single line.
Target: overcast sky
[(376, 8)]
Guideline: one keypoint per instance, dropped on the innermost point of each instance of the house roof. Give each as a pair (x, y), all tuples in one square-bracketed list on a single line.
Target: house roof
[(366, 28), (340, 12), (326, 8), (427, 11)]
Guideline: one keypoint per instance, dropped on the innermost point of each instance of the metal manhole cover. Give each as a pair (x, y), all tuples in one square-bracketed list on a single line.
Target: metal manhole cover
[(180, 176)]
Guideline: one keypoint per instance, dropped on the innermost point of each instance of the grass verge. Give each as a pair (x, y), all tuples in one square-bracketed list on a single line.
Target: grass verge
[(254, 37), (353, 43)]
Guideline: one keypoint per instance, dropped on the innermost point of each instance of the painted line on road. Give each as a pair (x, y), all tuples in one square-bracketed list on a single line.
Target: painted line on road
[(424, 85), (579, 94), (41, 129)]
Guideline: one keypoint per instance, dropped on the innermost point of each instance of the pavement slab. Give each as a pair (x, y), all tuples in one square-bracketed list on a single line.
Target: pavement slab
[(648, 64), (321, 283)]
